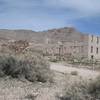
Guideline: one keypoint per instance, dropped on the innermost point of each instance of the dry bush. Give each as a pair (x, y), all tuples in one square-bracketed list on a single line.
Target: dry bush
[(74, 73), (76, 91), (81, 90), (53, 59), (94, 88), (30, 97), (33, 68)]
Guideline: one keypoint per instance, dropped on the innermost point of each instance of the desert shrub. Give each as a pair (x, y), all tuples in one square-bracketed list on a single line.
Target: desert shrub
[(76, 91), (81, 90), (30, 97), (33, 68), (53, 59), (74, 73), (94, 88)]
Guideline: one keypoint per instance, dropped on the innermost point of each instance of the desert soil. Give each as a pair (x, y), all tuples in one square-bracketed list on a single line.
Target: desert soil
[(84, 73)]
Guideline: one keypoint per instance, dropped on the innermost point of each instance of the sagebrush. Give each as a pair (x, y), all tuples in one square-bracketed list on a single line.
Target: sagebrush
[(81, 90), (33, 68)]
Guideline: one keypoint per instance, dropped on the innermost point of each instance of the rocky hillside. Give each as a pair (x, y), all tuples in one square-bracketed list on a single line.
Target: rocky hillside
[(17, 34), (62, 34)]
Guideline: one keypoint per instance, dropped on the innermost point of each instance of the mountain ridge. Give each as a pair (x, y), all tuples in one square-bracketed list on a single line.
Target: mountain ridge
[(60, 34)]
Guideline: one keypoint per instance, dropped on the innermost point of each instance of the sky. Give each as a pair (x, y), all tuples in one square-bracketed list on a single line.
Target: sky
[(39, 15)]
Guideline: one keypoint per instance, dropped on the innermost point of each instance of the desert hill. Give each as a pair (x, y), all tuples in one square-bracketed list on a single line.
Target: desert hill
[(54, 35)]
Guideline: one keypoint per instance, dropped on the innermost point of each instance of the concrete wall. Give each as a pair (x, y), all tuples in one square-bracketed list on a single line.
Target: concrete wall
[(93, 43)]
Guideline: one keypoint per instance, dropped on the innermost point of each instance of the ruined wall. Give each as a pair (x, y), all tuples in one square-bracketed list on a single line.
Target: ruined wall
[(93, 47)]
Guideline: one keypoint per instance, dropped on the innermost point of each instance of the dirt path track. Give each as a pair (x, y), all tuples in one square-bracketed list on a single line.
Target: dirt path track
[(84, 73)]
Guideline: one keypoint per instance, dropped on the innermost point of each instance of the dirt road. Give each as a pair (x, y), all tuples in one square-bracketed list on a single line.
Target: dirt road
[(84, 73)]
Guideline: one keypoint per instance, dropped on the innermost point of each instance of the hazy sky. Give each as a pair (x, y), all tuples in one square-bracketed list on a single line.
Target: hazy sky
[(46, 14)]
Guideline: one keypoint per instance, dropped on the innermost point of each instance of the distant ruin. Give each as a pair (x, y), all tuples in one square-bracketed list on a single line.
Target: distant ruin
[(56, 42)]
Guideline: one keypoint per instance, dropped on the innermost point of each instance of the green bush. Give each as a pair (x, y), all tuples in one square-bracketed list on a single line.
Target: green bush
[(33, 68)]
